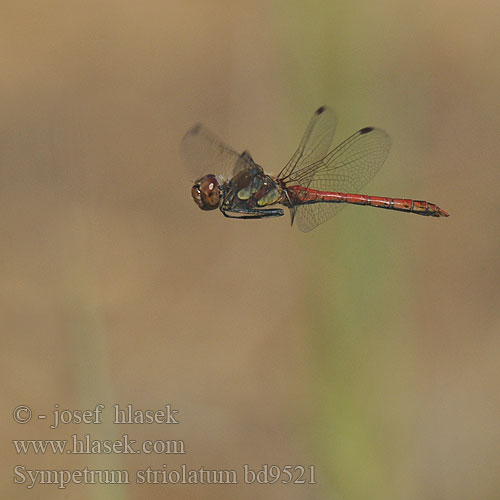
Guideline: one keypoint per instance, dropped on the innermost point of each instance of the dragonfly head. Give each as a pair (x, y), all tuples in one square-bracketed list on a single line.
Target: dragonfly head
[(206, 192)]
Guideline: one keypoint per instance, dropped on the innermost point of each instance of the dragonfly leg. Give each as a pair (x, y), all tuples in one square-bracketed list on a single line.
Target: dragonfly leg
[(248, 213)]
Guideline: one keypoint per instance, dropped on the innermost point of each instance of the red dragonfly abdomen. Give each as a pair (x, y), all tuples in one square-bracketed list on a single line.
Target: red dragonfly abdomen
[(300, 195)]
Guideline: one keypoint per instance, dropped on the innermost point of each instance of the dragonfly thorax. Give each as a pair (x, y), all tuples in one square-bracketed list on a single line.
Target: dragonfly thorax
[(206, 192)]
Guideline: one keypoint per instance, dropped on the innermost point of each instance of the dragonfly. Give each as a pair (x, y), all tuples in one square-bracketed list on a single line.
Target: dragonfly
[(314, 185)]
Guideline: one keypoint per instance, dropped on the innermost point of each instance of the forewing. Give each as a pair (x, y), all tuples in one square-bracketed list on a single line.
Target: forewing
[(315, 142), (204, 153), (346, 169)]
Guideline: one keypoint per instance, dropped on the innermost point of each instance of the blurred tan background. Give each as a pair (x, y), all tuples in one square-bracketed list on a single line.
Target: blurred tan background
[(369, 347)]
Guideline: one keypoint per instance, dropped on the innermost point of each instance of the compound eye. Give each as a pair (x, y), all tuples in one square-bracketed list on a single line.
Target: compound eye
[(206, 192)]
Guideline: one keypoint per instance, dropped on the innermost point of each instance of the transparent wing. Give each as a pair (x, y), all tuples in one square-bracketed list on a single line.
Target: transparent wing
[(346, 169), (315, 142), (204, 153)]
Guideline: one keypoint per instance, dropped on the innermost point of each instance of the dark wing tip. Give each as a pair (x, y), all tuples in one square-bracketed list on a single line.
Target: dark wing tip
[(320, 110), (195, 129), (366, 130)]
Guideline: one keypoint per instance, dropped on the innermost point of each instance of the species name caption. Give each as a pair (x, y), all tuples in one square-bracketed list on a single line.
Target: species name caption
[(86, 444)]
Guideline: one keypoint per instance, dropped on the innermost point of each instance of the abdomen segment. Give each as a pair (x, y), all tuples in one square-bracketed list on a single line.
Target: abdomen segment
[(304, 196)]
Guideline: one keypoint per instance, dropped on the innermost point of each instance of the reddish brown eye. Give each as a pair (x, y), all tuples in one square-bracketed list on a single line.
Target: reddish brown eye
[(206, 192)]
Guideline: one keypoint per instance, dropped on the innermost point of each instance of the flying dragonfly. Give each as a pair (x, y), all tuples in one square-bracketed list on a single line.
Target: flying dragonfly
[(314, 185)]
